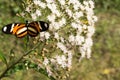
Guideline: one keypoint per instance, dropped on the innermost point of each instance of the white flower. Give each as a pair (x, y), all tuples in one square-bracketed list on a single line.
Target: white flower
[(91, 3), (62, 39), (53, 61), (62, 47), (69, 59), (70, 54), (85, 49), (51, 17), (55, 25), (49, 71), (76, 7), (47, 35), (42, 5), (82, 50), (38, 13), (85, 3), (69, 12), (39, 3), (84, 27), (70, 1), (77, 15), (61, 60), (22, 14), (34, 16), (36, 2), (49, 1), (56, 35), (88, 52), (79, 29), (82, 7), (74, 2), (44, 35), (89, 12), (65, 16), (79, 39), (71, 39), (91, 31), (28, 9), (57, 13), (88, 42), (62, 21), (46, 61), (52, 7), (74, 25), (95, 18), (62, 2)]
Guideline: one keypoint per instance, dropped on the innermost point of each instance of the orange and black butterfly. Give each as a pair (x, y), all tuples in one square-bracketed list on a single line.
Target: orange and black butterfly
[(22, 29)]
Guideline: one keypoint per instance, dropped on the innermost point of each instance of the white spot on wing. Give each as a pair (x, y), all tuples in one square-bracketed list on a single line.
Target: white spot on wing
[(46, 25), (5, 29), (21, 30)]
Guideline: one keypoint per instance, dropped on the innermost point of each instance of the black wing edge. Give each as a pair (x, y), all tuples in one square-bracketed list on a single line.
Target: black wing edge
[(7, 28), (44, 25)]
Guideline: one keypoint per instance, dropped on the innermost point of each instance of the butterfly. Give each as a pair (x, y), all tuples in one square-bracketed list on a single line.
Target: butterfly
[(22, 29)]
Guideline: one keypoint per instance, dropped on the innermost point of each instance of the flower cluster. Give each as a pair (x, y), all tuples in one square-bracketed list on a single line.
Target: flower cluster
[(71, 28)]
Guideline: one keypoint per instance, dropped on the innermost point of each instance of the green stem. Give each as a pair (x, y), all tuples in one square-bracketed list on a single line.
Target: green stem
[(17, 61)]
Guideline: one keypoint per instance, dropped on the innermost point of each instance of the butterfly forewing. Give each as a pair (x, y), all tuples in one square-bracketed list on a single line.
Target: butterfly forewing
[(8, 28), (43, 26), (18, 29), (21, 32)]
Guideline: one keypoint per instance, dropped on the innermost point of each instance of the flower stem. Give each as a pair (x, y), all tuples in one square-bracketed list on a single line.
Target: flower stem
[(17, 61)]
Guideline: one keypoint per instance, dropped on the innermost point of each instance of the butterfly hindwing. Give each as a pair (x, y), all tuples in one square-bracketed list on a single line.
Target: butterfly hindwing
[(44, 26), (33, 29), (37, 26)]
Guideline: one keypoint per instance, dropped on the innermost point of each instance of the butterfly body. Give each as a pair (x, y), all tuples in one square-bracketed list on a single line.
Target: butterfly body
[(22, 29)]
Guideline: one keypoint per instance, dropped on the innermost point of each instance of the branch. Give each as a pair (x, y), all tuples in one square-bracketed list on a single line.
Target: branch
[(17, 61)]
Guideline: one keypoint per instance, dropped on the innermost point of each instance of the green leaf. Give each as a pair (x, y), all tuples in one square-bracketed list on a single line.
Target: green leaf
[(2, 57)]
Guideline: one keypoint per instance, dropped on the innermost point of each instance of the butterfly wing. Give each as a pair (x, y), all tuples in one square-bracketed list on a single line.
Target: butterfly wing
[(18, 29), (8, 28), (37, 26), (21, 29)]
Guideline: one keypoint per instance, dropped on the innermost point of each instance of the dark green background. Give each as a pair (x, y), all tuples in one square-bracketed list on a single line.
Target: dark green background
[(105, 61)]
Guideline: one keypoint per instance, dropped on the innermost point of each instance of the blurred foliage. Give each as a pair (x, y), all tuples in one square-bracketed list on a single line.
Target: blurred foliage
[(107, 4), (8, 10), (2, 58), (105, 61)]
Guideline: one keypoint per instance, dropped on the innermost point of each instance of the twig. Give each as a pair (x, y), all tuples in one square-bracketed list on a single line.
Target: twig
[(17, 61)]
